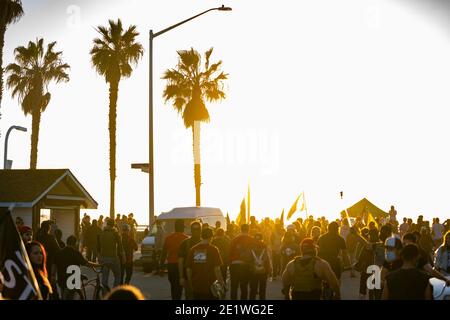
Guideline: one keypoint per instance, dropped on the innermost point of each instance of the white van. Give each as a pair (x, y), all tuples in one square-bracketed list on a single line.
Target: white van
[(190, 214)]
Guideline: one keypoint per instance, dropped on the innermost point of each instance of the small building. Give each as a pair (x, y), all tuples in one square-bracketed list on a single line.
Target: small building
[(37, 195)]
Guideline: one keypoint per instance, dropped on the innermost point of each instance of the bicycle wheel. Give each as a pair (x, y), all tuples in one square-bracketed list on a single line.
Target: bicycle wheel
[(78, 295), (98, 293)]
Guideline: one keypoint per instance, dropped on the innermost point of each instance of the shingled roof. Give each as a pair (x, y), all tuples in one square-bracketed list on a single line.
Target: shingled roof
[(28, 186)]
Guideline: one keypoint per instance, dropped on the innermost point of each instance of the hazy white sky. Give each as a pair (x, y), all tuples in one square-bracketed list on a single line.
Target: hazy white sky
[(323, 96)]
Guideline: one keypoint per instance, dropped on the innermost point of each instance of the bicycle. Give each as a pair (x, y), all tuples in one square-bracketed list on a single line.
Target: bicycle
[(95, 283)]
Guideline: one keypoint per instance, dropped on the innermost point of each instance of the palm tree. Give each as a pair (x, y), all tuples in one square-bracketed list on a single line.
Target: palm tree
[(112, 56), (189, 84), (10, 11), (29, 78)]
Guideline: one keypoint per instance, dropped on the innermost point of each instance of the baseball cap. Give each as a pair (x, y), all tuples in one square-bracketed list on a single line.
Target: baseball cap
[(24, 229), (307, 244)]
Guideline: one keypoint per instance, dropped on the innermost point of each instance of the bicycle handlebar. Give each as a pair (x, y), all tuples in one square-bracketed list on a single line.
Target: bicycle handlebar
[(97, 269)]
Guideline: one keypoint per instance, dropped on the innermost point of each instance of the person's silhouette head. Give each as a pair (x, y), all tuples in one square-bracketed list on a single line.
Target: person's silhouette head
[(244, 228), (333, 227), (179, 225), (71, 241), (196, 229), (125, 292)]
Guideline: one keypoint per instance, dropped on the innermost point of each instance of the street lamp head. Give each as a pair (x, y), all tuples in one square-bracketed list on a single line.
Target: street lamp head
[(20, 128), (223, 8)]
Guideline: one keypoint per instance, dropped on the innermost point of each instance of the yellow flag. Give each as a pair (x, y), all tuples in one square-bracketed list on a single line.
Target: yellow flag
[(293, 209), (242, 218), (282, 218), (303, 208), (370, 219)]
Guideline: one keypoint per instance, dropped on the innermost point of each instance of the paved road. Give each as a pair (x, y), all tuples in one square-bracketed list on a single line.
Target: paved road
[(157, 287)]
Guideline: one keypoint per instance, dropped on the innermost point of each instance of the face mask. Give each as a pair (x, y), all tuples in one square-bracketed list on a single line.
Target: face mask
[(390, 256)]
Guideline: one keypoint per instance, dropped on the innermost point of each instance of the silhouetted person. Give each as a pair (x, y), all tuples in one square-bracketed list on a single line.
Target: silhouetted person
[(110, 250), (169, 251), (51, 247), (125, 292), (185, 247), (68, 256), (91, 240), (240, 258), (129, 246), (408, 282), (58, 237), (222, 242), (203, 267)]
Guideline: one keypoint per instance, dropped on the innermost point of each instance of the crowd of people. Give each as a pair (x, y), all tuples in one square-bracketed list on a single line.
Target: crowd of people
[(309, 256), (108, 244)]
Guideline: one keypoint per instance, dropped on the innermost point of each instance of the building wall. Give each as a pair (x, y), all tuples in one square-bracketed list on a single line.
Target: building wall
[(65, 220), (25, 214)]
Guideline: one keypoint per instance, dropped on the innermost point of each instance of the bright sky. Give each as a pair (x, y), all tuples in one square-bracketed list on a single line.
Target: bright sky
[(323, 96)]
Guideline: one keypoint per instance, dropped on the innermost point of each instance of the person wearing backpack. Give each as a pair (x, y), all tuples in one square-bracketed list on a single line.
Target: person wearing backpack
[(302, 279), (260, 268), (240, 258)]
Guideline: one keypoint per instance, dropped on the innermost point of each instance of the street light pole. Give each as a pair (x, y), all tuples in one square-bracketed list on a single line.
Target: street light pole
[(151, 174), (150, 126), (5, 154)]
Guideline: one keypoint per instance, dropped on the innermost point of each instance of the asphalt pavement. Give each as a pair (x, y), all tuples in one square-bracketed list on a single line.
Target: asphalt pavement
[(157, 287)]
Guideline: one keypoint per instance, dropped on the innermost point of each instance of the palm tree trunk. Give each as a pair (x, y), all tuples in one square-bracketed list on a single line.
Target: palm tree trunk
[(35, 124), (113, 92), (197, 171), (2, 44)]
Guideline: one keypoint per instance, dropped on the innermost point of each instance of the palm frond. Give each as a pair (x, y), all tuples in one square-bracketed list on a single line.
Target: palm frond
[(207, 55), (189, 84), (10, 11), (114, 54), (34, 69)]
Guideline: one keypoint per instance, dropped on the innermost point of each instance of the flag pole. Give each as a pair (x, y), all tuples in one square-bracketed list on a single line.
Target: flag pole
[(345, 209), (306, 207), (248, 203)]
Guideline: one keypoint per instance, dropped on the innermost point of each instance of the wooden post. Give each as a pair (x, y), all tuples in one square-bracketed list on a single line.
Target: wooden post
[(36, 218), (76, 229)]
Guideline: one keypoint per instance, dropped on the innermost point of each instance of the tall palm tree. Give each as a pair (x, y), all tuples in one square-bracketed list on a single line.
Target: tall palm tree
[(10, 12), (29, 78), (112, 56), (189, 84)]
